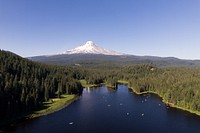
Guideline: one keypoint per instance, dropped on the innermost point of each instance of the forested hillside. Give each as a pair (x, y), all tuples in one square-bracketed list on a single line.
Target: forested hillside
[(178, 86), (98, 59), (24, 84)]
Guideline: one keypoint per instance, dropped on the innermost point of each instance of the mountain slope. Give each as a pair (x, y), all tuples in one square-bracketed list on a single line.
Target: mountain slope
[(25, 84), (95, 59), (91, 48), (90, 53)]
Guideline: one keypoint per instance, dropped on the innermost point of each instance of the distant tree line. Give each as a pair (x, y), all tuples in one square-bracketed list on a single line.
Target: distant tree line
[(25, 85), (179, 85)]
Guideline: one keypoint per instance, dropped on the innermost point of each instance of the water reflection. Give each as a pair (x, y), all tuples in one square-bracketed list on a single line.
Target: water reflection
[(86, 90), (109, 89), (104, 110)]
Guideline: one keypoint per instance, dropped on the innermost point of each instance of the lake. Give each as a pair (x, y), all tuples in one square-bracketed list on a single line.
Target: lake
[(103, 110)]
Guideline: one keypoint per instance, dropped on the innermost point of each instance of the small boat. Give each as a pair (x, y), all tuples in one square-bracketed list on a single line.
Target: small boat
[(71, 123)]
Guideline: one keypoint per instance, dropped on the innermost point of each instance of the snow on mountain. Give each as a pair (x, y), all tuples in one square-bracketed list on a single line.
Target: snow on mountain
[(91, 48)]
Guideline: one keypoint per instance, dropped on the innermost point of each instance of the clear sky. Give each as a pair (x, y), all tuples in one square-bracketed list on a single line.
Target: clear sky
[(138, 27)]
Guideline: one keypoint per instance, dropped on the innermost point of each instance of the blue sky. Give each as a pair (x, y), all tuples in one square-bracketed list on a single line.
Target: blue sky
[(139, 27)]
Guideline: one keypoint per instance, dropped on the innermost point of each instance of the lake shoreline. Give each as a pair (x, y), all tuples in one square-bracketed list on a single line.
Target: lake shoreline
[(165, 101), (10, 124), (152, 92), (50, 111), (123, 106)]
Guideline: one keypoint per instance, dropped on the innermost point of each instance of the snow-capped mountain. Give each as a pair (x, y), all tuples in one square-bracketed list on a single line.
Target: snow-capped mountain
[(91, 48)]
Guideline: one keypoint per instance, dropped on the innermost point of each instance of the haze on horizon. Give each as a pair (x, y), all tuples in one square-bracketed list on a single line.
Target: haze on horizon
[(139, 27)]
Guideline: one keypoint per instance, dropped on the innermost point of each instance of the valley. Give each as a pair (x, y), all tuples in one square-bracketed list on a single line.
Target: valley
[(32, 85), (87, 66)]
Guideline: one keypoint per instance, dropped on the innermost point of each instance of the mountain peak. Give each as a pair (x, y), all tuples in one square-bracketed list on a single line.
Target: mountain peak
[(89, 43), (91, 48)]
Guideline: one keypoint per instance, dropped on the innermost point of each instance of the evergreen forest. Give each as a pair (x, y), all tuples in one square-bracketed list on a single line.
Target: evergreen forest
[(25, 85)]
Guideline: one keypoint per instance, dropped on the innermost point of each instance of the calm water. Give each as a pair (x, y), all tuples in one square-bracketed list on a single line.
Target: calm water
[(104, 111)]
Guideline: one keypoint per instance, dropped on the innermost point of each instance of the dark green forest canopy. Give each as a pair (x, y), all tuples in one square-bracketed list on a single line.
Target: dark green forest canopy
[(179, 86), (25, 84)]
